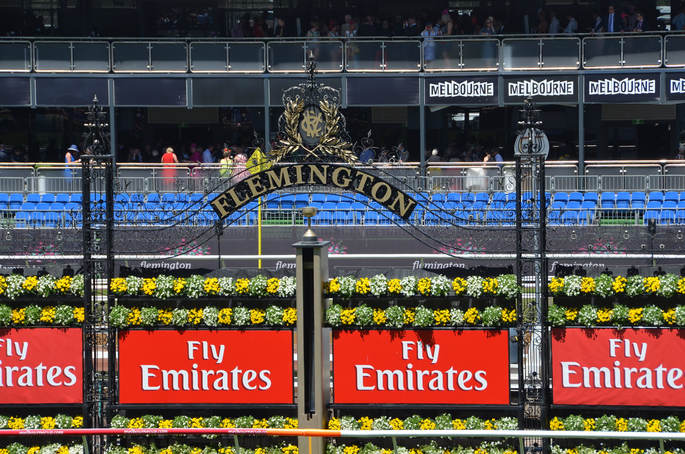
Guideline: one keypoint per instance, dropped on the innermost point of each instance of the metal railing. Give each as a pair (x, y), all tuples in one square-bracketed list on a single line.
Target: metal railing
[(406, 54)]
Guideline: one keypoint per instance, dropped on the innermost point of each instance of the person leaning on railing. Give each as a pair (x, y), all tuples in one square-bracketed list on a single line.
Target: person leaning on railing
[(226, 169)]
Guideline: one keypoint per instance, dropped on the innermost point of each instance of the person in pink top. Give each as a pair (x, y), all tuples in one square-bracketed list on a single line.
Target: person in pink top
[(239, 172)]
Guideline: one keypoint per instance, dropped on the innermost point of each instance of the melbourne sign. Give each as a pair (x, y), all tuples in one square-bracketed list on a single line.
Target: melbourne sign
[(421, 367), (625, 88), (41, 366), (203, 366), (456, 90), (618, 366), (336, 175), (675, 86), (543, 89)]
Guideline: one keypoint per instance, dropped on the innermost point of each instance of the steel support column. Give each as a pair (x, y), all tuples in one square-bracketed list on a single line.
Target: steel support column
[(422, 126)]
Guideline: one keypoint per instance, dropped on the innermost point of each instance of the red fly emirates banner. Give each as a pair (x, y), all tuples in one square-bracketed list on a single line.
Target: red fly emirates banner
[(618, 366), (41, 366), (421, 367), (203, 366)]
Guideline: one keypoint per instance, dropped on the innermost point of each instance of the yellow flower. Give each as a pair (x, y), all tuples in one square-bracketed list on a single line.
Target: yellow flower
[(347, 316), (33, 450), (680, 288), (15, 423), (635, 315), (260, 424), (47, 422), (424, 286), (149, 286), (653, 425), (79, 314), (459, 285), (604, 315), (63, 450), (18, 316), (471, 316), (118, 286), (211, 286), (77, 422), (490, 285), (3, 284), (256, 316), (289, 315), (489, 424), (133, 317), (587, 285), (556, 424), (509, 316), (164, 316), (636, 451), (334, 286), (291, 423), (651, 284), (571, 314), (352, 449), (556, 285), (225, 316), (682, 426), (669, 316), (136, 450), (441, 316), (362, 286), (365, 423), (272, 285), (195, 316), (396, 424), (619, 284), (379, 317), (196, 451), (63, 284), (427, 424), (334, 424), (621, 425), (47, 314), (408, 316), (394, 286), (242, 286), (290, 449), (165, 424), (135, 423), (458, 424), (30, 283), (589, 424), (179, 285), (227, 423)]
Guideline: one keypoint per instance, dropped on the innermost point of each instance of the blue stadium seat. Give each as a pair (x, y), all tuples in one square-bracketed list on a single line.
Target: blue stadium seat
[(47, 198), (575, 197), (669, 205), (439, 197), (468, 197), (76, 198), (33, 198), (287, 201), (302, 200), (482, 197), (182, 197), (168, 197), (22, 219), (454, 197), (573, 205), (650, 214), (59, 207), (560, 197), (682, 195), (654, 205), (569, 217), (671, 196), (332, 198), (591, 197), (196, 197), (680, 217), (667, 217), (319, 198), (588, 205)]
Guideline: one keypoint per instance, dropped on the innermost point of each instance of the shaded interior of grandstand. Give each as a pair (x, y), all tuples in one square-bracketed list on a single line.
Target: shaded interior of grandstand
[(50, 210)]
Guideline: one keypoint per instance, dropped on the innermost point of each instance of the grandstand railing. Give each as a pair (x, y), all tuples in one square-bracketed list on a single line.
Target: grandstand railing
[(406, 54)]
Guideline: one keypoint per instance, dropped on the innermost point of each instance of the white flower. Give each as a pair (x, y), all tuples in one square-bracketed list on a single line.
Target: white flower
[(347, 285), (572, 285), (287, 287), (46, 285), (440, 286), (14, 286), (226, 286), (378, 285), (474, 286), (76, 449), (133, 285), (408, 286)]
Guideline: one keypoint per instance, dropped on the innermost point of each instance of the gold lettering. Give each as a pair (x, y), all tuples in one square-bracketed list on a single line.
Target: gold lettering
[(386, 194), (321, 173), (298, 175), (406, 204), (277, 181), (343, 182), (364, 177), (222, 205), (236, 201), (256, 187)]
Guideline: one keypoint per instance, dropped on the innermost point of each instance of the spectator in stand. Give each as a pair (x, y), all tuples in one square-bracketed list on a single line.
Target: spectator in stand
[(226, 169), (313, 31), (239, 172), (385, 30), (169, 157), (488, 27), (279, 28), (434, 157), (428, 43), (208, 155), (597, 26), (446, 23), (70, 157), (678, 22), (640, 25), (346, 26), (333, 30), (613, 22), (572, 25), (543, 23), (402, 153), (134, 155), (411, 29), (4, 156), (257, 28), (367, 28), (554, 25), (195, 154)]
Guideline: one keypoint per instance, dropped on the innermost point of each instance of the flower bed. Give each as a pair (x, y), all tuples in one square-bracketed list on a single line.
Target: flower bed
[(612, 423), (615, 315), (396, 316), (52, 448), (16, 286), (164, 287), (60, 421), (605, 286), (208, 316), (34, 315), (182, 448), (423, 448), (247, 422), (380, 286), (444, 421)]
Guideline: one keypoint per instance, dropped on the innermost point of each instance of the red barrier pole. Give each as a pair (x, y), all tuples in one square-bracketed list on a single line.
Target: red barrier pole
[(175, 431)]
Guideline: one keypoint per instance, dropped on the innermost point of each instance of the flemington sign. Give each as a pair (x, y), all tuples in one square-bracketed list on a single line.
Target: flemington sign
[(339, 176)]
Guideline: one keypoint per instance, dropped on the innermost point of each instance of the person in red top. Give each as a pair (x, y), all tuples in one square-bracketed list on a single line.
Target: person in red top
[(169, 159)]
